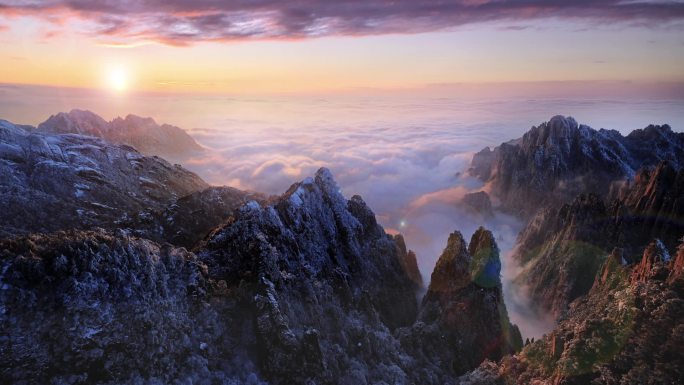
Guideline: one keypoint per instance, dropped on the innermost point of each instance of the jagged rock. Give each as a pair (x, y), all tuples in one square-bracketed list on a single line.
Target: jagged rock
[(610, 270), (408, 261), (676, 277), (98, 308), (562, 249), (479, 202), (189, 219), (655, 205), (59, 182), (317, 261), (463, 319), (54, 182), (559, 159), (625, 331), (306, 287), (142, 133), (652, 263)]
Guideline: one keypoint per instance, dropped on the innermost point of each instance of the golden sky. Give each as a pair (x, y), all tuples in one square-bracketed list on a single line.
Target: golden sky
[(72, 49)]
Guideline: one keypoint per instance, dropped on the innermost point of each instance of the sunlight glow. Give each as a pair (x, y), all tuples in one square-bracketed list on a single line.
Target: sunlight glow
[(117, 79)]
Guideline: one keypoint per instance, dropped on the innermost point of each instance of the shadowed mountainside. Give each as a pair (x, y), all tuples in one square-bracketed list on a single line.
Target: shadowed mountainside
[(629, 329), (306, 287)]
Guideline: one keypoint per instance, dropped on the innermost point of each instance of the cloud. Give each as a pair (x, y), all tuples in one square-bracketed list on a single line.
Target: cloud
[(402, 154), (183, 22)]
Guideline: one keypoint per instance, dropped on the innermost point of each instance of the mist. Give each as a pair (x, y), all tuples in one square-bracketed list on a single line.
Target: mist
[(406, 155)]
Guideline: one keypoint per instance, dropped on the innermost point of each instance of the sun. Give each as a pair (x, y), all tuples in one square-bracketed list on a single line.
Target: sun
[(117, 79)]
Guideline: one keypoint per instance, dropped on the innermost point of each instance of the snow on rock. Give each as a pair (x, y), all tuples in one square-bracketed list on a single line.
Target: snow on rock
[(557, 160), (45, 176)]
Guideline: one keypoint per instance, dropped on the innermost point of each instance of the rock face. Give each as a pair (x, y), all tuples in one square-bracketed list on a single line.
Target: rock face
[(303, 288), (628, 330), (479, 202), (189, 219), (562, 249), (329, 285), (408, 261), (142, 133), (89, 307), (463, 319), (68, 181), (53, 182), (557, 160)]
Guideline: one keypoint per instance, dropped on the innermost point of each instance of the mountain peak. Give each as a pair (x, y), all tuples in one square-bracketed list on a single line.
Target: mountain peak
[(135, 119), (452, 270), (485, 266), (559, 159), (653, 263), (142, 133)]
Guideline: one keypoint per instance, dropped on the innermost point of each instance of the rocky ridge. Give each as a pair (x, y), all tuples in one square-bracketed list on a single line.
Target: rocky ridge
[(629, 329), (144, 134), (562, 249), (69, 181), (303, 288), (558, 160)]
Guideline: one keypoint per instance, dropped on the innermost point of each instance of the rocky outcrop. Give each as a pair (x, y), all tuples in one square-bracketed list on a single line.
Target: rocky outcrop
[(144, 134), (302, 288), (479, 203), (676, 276), (408, 261), (55, 182), (557, 160), (561, 249), (189, 219), (97, 308), (629, 329), (653, 203), (59, 182), (329, 284), (653, 264), (463, 319)]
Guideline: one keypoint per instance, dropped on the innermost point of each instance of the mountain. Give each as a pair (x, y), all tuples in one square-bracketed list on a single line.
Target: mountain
[(562, 249), (557, 160), (69, 181), (302, 288), (142, 133), (629, 329), (97, 308), (463, 318)]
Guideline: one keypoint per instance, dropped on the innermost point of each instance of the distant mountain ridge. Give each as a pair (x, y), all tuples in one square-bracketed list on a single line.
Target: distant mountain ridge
[(559, 159), (144, 134)]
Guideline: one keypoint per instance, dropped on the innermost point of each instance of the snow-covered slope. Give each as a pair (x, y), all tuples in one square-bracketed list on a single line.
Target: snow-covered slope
[(53, 182)]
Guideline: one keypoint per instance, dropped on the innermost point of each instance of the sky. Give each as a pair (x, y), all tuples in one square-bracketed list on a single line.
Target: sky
[(393, 96), (317, 46)]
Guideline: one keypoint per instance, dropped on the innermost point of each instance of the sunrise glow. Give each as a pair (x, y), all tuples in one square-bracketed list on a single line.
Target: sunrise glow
[(117, 79), (274, 192)]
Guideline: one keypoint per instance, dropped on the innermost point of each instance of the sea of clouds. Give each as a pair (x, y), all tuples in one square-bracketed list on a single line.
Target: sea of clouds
[(406, 156)]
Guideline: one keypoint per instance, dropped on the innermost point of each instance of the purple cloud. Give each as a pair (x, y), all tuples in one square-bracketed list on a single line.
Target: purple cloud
[(181, 22)]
